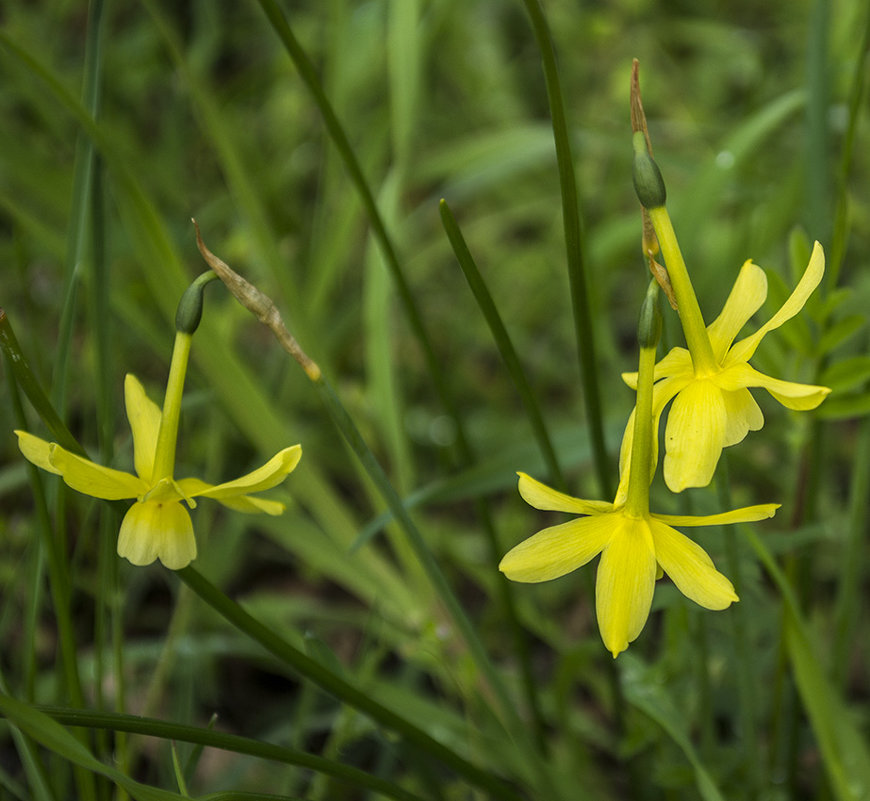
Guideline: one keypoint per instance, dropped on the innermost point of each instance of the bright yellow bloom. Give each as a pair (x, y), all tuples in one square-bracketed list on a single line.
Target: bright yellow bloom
[(636, 546), (635, 551), (710, 381), (158, 526)]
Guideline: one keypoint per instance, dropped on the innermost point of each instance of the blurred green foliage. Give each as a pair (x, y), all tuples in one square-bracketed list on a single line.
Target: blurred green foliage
[(201, 114)]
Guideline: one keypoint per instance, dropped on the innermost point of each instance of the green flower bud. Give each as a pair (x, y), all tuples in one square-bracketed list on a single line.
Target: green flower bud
[(649, 328), (189, 311), (648, 182)]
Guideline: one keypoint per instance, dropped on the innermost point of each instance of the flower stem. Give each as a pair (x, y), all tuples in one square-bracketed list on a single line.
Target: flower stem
[(233, 743), (164, 457), (574, 246), (637, 502), (339, 687), (691, 318)]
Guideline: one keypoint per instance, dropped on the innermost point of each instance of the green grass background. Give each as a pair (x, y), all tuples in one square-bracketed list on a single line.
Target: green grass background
[(121, 121)]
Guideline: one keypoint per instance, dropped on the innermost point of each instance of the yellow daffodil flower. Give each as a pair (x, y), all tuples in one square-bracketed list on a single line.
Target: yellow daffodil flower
[(158, 526), (637, 547), (710, 381)]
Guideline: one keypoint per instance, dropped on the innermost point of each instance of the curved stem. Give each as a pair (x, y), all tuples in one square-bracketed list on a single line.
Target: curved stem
[(691, 318), (339, 687), (574, 248), (637, 502), (152, 727)]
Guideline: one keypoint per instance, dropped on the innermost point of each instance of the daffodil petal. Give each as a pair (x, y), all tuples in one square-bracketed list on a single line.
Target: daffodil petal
[(691, 568), (625, 583), (743, 350), (742, 415), (240, 503), (269, 475), (677, 361), (36, 450), (789, 393), (694, 436), (161, 531), (746, 514), (251, 505), (539, 495), (558, 550), (94, 479), (747, 297), (144, 417)]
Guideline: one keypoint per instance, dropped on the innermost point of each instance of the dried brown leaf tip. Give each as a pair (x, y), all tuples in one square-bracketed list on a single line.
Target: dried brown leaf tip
[(259, 304)]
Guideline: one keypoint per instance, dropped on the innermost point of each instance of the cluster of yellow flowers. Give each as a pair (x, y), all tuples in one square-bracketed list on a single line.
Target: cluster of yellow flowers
[(712, 409)]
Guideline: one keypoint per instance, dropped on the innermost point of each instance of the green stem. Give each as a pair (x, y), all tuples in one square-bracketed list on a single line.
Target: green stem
[(152, 727), (340, 139), (637, 501), (503, 342), (574, 247), (692, 320), (58, 575), (164, 457), (20, 368), (338, 687)]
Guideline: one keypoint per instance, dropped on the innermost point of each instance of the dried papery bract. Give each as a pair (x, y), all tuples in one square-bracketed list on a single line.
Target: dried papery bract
[(259, 304)]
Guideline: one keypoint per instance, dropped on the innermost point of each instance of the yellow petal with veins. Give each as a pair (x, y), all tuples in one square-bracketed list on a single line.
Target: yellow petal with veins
[(743, 350), (790, 394), (539, 495), (36, 450), (558, 550), (625, 583), (269, 475), (691, 568), (94, 479), (144, 417), (747, 297), (694, 436)]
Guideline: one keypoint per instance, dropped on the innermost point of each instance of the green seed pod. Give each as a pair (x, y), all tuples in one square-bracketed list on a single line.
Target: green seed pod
[(648, 182)]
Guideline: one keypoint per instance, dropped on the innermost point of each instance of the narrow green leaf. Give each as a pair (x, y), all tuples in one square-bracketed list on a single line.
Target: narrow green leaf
[(56, 738)]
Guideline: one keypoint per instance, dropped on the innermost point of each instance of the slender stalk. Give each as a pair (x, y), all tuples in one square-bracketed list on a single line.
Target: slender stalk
[(342, 143), (321, 675), (574, 247), (57, 563), (264, 309), (433, 364), (691, 318), (165, 730), (503, 342), (164, 456), (542, 436)]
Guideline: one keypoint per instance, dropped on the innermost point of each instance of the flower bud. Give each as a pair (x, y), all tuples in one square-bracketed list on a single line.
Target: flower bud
[(189, 311), (648, 182), (650, 326)]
